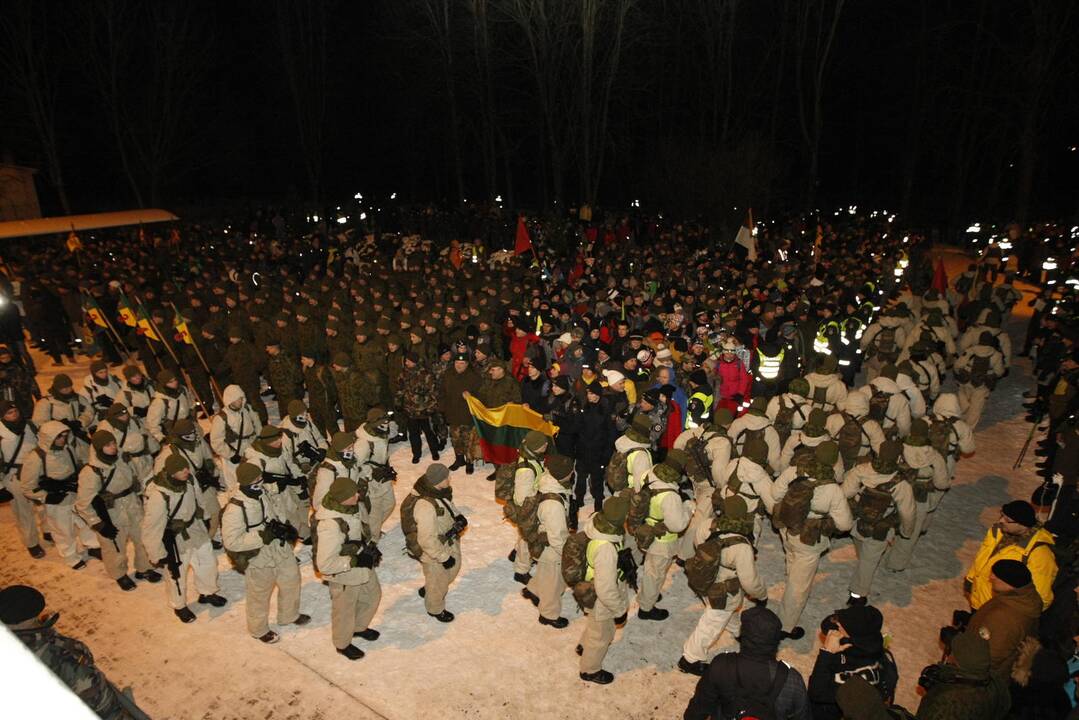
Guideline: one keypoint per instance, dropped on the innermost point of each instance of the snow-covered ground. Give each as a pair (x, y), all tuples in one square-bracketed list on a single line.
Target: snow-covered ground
[(495, 660)]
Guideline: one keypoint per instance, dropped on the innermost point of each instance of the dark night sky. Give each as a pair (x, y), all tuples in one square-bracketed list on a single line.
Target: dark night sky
[(905, 80)]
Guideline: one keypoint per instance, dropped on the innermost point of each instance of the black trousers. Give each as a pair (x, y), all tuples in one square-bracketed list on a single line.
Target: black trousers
[(591, 477), (417, 426)]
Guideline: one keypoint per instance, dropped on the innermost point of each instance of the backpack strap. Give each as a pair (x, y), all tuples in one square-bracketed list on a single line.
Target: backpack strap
[(9, 464), (1035, 546)]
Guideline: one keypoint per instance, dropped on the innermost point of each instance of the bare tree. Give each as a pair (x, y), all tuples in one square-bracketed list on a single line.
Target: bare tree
[(439, 16), (816, 22), (302, 34), (30, 66)]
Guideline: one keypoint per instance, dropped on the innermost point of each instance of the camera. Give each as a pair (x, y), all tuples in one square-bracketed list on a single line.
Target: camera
[(829, 624), (960, 620)]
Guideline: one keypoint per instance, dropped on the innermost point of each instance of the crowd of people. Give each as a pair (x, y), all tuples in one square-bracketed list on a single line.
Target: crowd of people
[(702, 397)]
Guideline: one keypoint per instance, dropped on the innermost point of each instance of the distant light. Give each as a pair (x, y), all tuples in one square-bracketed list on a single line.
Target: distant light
[(498, 198), (314, 218), (363, 216), (342, 220), (393, 196), (975, 228), (1049, 265)]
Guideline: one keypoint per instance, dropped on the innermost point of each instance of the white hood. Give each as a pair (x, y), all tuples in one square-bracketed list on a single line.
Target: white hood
[(231, 394), (947, 405), (856, 404)]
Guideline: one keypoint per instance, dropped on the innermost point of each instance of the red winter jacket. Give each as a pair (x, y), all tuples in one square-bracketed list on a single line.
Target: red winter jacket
[(518, 347), (734, 379)]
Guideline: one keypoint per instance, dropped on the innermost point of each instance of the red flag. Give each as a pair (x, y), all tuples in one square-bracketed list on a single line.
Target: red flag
[(940, 278), (524, 243), (576, 273), (455, 256)]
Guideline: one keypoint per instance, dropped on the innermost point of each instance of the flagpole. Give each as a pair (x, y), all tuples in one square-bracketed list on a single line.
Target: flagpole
[(112, 330), (179, 365), (214, 388)]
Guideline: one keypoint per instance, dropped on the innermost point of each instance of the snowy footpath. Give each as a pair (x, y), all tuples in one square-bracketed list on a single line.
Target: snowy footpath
[(495, 660)]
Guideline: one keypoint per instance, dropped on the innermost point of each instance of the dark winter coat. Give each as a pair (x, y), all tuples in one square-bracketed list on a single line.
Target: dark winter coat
[(1008, 618), (451, 402), (595, 434)]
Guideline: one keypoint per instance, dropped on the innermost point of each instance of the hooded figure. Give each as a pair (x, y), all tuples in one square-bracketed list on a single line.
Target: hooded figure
[(948, 432), (233, 428), (373, 460), (754, 670), (883, 504), (347, 558), (826, 388), (546, 587), (857, 434), (175, 533), (169, 404), (436, 518), (668, 516), (108, 501), (756, 423), (285, 482), (963, 687), (748, 476), (929, 480), (135, 392), (184, 439), (137, 446), (100, 388), (50, 476), (18, 438), (307, 445), (717, 448), (860, 651), (63, 404), (605, 531)]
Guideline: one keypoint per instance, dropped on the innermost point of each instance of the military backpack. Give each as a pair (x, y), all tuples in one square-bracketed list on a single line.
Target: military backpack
[(408, 524), (873, 509), (698, 465), (943, 436), (885, 347), (528, 522), (617, 474), (240, 559), (702, 568), (784, 422), (575, 570)]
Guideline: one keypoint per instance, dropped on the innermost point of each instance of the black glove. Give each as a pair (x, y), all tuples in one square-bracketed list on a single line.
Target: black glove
[(140, 412), (739, 398), (621, 619), (55, 498), (350, 548), (450, 562), (267, 534), (103, 401), (107, 530)]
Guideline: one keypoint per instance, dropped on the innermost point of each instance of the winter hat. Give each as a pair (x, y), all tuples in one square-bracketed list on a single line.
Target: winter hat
[(235, 331), (919, 433), (651, 396), (97, 366), (115, 410), (615, 509), (61, 382), (560, 466), (756, 450), (436, 473), (19, 603), (341, 489), (861, 701), (887, 456), (181, 427), (101, 438), (722, 418), (759, 406), (6, 405), (827, 453), (534, 441), (815, 423), (341, 359), (663, 357), (175, 463), (761, 632), (889, 371), (643, 355), (412, 357), (1012, 572), (131, 371), (269, 432), (1020, 512), (341, 441), (375, 416), (565, 338), (296, 408), (613, 377), (971, 653), (676, 459), (248, 473), (828, 365), (799, 386), (640, 429), (863, 624), (698, 377), (562, 381), (165, 377)]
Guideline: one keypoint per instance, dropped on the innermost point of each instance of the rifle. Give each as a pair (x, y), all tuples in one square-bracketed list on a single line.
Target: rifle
[(102, 510), (172, 558), (1030, 436)]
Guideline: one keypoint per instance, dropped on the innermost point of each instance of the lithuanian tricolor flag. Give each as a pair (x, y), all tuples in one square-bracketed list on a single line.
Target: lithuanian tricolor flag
[(502, 429)]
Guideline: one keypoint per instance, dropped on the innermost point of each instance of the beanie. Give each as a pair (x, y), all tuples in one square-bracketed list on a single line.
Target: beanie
[(61, 382), (1020, 512), (827, 366), (19, 603), (248, 473), (723, 417), (733, 507), (560, 466), (375, 415), (341, 359), (175, 463), (340, 441), (756, 450), (436, 473), (889, 371), (815, 423), (1012, 572), (698, 377), (971, 653), (615, 509), (181, 427), (165, 376), (862, 623), (130, 371), (640, 429), (115, 410), (296, 408), (269, 432), (534, 441), (919, 433), (799, 386), (97, 366), (827, 453), (759, 406), (342, 488), (676, 459), (861, 701), (887, 456), (101, 438)]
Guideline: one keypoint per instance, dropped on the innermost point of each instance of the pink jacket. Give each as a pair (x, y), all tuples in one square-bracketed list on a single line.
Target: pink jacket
[(734, 379)]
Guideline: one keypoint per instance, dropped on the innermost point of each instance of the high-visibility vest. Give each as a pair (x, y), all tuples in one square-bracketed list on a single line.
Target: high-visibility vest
[(590, 558), (768, 369), (655, 515), (706, 401)]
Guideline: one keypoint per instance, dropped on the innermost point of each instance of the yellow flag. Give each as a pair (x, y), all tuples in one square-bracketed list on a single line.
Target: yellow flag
[(73, 242)]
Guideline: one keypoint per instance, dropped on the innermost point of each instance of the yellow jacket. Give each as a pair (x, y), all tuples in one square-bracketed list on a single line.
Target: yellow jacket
[(1036, 554)]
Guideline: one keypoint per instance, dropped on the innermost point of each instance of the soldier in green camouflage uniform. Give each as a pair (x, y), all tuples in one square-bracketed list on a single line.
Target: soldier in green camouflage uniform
[(393, 364), (417, 397), (354, 395), (21, 608), (286, 334), (283, 373), (321, 394), (17, 382), (311, 337), (336, 340)]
